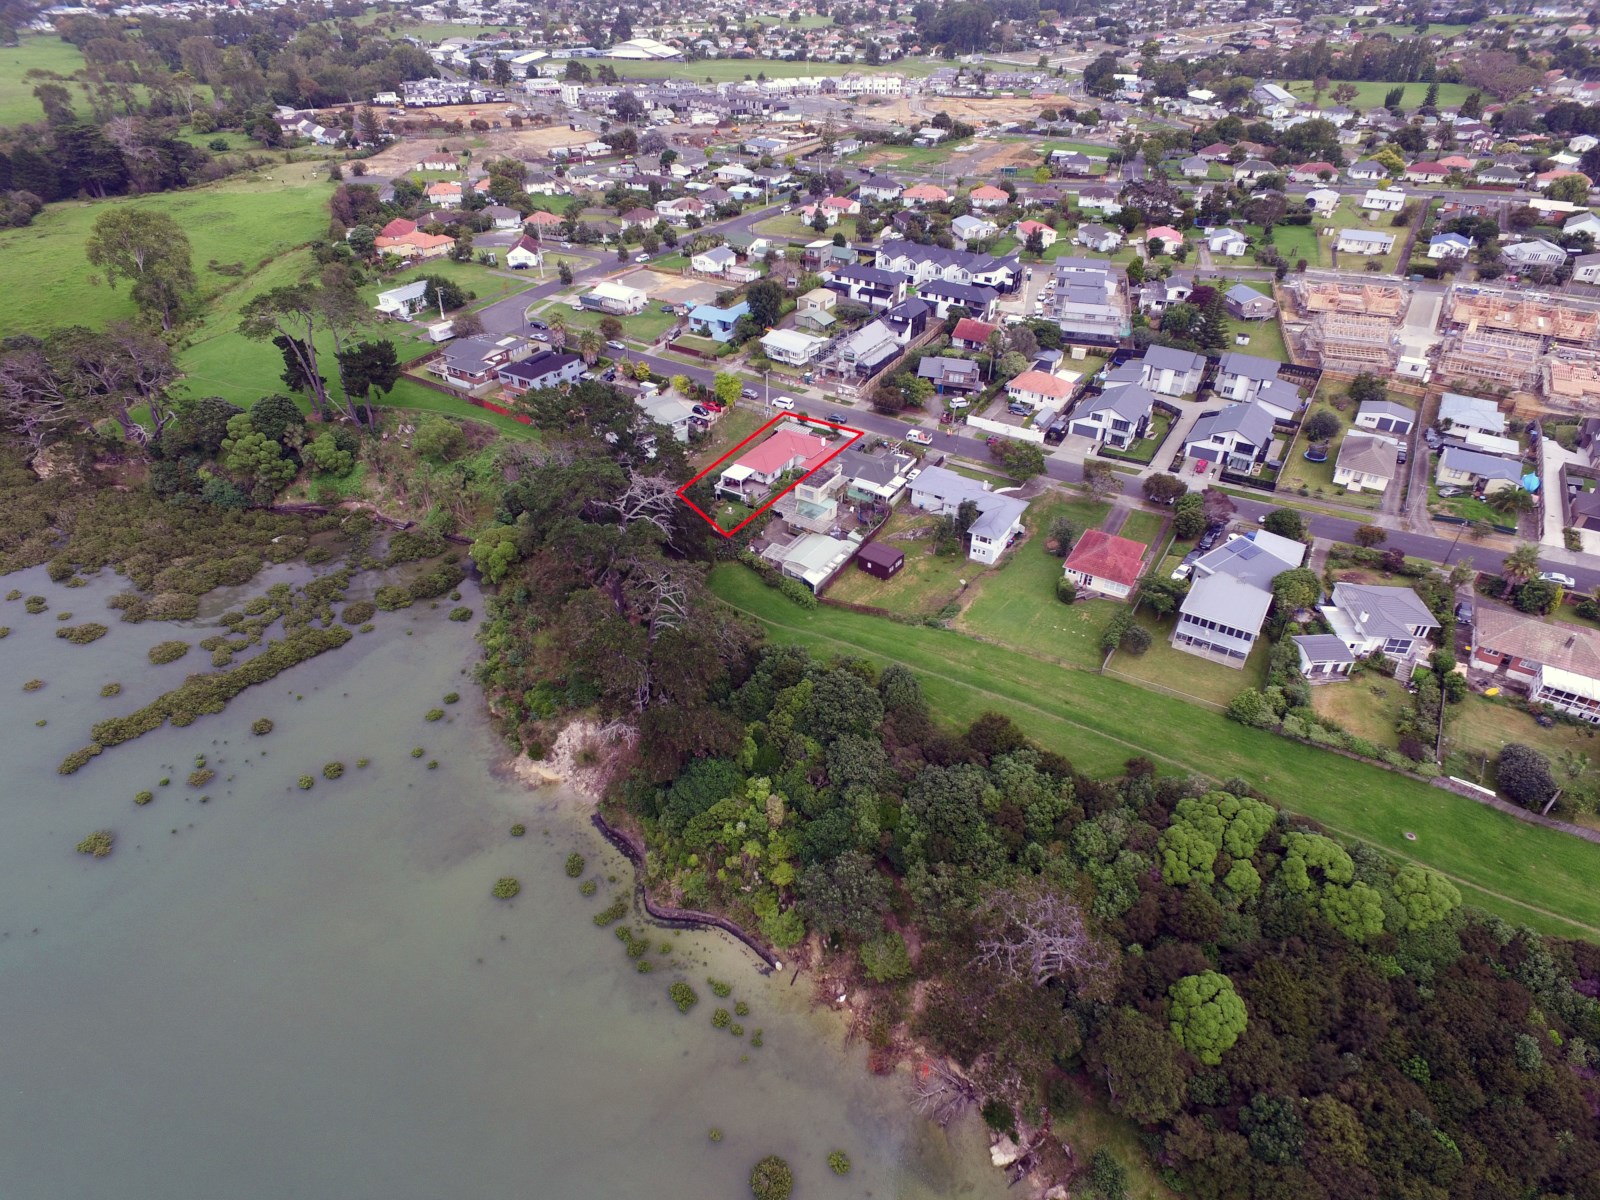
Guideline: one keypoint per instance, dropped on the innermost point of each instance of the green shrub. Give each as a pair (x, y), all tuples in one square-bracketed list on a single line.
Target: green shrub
[(998, 1116), (575, 865), (198, 779), (168, 652), (14, 594), (261, 726), (644, 966), (506, 887), (392, 596), (772, 1179), (63, 616), (683, 996), (33, 685), (98, 844), (332, 770), (417, 752), (362, 763), (720, 989), (721, 1018), (434, 714), (612, 913), (589, 887), (110, 690), (452, 697), (5, 631), (82, 635), (36, 604), (839, 1162), (143, 797), (358, 612), (714, 1134), (306, 783), (736, 1029), (757, 1039), (741, 1009), (461, 613), (518, 830)]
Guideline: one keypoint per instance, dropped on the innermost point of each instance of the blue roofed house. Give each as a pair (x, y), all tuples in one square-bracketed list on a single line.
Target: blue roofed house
[(1458, 413), (1449, 245), (709, 321), (1488, 473), (1220, 619)]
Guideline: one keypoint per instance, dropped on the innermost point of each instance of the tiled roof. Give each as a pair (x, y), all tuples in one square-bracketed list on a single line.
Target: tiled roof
[(1106, 556)]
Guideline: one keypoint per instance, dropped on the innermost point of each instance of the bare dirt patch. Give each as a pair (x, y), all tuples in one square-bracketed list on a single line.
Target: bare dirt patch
[(681, 289)]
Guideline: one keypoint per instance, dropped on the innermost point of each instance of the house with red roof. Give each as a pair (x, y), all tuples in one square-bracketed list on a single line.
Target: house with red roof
[(1312, 172), (1171, 239), (641, 217), (398, 228), (988, 196), (1040, 389), (1427, 172), (842, 206), (759, 469), (1216, 152), (445, 194), (1458, 162), (1026, 229), (416, 245), (971, 334), (923, 194), (1105, 563), (1545, 178), (543, 220), (524, 254)]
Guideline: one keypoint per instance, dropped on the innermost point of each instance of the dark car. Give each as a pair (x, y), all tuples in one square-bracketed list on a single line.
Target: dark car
[(836, 418), (1464, 613), (534, 323)]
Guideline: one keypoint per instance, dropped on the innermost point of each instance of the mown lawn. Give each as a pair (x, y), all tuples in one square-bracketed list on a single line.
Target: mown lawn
[(645, 327), (1478, 728), (1370, 94), (1142, 526), (1318, 477), (922, 587), (1524, 872), (1367, 706), (1163, 667)]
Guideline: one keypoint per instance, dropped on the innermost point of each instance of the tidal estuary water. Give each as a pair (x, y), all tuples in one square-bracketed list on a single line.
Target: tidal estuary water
[(284, 993)]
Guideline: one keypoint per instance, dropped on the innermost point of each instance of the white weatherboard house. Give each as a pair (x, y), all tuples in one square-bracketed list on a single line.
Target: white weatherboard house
[(1221, 616), (999, 517), (404, 301)]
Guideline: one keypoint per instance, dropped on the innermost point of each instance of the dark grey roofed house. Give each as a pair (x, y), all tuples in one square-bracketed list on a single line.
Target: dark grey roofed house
[(1323, 657), (1385, 416), (1238, 432), (546, 369), (954, 374), (1248, 304)]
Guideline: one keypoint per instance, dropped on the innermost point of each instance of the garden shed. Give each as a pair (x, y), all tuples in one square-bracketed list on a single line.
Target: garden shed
[(880, 560)]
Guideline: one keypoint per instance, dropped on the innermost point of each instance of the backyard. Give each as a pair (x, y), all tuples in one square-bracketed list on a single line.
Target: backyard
[(1367, 706), (1528, 874), (1178, 672), (644, 327), (924, 586)]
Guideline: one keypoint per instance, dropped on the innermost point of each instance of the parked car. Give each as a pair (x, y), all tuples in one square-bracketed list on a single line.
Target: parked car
[(536, 324), (956, 404), (1018, 410), (1400, 455), (639, 258), (1566, 581), (912, 474), (700, 411), (785, 403), (1182, 570), (920, 436), (1464, 613), (836, 418), (615, 345), (787, 208), (749, 394), (1452, 491)]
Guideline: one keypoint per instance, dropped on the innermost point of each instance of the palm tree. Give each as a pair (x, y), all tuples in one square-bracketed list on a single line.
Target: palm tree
[(558, 332), (1510, 501), (1522, 564), (590, 343)]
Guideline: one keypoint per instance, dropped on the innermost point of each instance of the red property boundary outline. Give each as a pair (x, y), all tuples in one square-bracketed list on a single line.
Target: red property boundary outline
[(858, 434)]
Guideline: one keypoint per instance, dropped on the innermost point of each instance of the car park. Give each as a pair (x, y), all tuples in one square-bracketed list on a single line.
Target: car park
[(1566, 581)]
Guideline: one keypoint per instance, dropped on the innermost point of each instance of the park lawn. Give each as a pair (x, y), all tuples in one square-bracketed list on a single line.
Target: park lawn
[(908, 156), (806, 21), (1367, 706), (671, 262), (1527, 873), (1168, 670), (1142, 526), (793, 225), (1370, 94), (1410, 31), (17, 102), (923, 586), (246, 220), (731, 70)]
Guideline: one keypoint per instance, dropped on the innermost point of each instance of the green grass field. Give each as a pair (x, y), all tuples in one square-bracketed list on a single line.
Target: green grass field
[(1370, 95), (1526, 873), (727, 70), (243, 220), (1141, 526), (17, 102)]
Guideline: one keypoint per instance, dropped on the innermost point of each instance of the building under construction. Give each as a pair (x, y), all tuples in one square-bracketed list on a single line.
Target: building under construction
[(1572, 380), (1353, 343), (1553, 320), (1317, 293), (1512, 359)]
